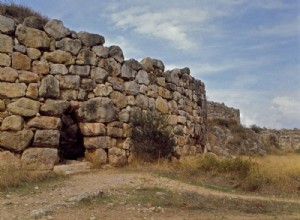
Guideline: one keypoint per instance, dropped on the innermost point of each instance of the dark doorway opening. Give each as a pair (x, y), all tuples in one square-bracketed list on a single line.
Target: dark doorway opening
[(71, 140)]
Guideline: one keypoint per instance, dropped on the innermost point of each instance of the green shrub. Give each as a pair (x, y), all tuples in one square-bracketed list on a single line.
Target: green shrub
[(19, 12), (151, 137)]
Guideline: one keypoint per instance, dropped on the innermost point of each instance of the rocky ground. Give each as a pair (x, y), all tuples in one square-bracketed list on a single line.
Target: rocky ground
[(120, 194)]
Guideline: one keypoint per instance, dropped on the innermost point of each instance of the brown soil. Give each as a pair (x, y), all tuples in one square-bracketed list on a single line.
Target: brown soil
[(52, 200)]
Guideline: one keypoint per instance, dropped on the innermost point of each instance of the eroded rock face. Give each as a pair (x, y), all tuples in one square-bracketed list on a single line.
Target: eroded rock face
[(55, 28), (32, 37), (16, 141), (39, 158), (49, 87), (24, 107)]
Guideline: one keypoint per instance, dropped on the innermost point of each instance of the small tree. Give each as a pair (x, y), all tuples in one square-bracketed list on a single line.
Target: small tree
[(151, 137)]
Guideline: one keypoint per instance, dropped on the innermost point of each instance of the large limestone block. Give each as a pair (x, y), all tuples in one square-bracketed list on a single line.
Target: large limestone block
[(114, 132), (166, 94), (118, 99), (173, 76), (28, 77), (158, 64), (33, 22), (161, 105), (132, 88), (5, 60), (59, 56), (12, 90), (101, 51), (8, 74), (142, 77), (100, 109), (104, 142), (56, 29), (96, 157), (46, 138), (73, 167), (49, 87), (69, 94), (39, 158), (87, 57), (103, 90), (116, 53), (92, 129), (45, 122), (87, 84), (117, 157), (90, 40), (98, 74), (117, 83), (33, 53), (69, 82), (111, 66), (12, 123), (2, 106), (32, 91), (147, 64), (127, 72), (20, 61), (152, 91), (54, 107), (58, 69), (80, 70), (6, 44), (142, 101), (7, 25), (32, 38), (40, 67), (16, 141), (71, 45), (24, 107), (9, 161)]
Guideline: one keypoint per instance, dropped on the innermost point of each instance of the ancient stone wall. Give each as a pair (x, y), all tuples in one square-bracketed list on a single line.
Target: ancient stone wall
[(64, 95), (217, 110)]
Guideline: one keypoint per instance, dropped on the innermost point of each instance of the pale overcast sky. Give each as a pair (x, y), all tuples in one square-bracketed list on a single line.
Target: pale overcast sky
[(246, 51)]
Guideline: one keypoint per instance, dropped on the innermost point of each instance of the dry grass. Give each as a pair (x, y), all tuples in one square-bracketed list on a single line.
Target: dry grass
[(19, 11)]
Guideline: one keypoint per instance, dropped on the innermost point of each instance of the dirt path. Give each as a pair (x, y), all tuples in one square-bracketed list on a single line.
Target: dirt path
[(59, 200)]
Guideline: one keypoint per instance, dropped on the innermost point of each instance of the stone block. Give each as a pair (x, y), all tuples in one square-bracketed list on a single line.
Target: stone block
[(12, 123), (40, 67), (116, 53), (8, 74), (90, 40), (161, 105), (92, 129), (32, 38), (96, 157), (117, 83), (132, 88), (60, 69), (45, 123), (117, 157), (142, 77), (20, 61), (56, 29), (49, 87), (101, 51), (71, 45), (69, 95), (5, 60), (118, 99), (103, 90), (16, 141), (59, 56), (87, 57), (7, 25), (6, 44), (104, 142), (24, 107), (83, 71), (32, 91), (28, 77), (46, 138), (39, 159), (98, 74), (33, 53), (69, 82), (54, 107), (114, 132)]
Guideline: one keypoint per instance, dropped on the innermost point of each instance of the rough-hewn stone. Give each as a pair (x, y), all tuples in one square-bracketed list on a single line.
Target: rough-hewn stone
[(24, 107), (117, 157), (33, 22), (33, 53), (7, 25), (132, 88), (32, 37), (92, 129), (56, 29), (20, 61), (80, 70), (118, 99), (90, 40), (32, 91), (12, 123), (71, 45), (162, 105), (58, 69), (46, 138), (59, 56), (54, 107), (45, 123), (49, 87), (117, 53), (12, 90), (103, 142), (6, 44), (39, 158), (40, 67), (5, 60), (96, 157), (101, 51), (142, 77), (28, 77), (103, 90), (16, 141), (69, 82), (8, 74)]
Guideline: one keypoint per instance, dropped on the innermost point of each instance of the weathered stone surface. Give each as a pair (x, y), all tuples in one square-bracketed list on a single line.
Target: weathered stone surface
[(12, 90), (101, 51), (181, 119), (56, 29), (69, 94), (142, 101), (40, 67), (16, 141), (73, 167), (114, 132), (99, 74), (71, 45), (132, 88), (7, 25), (20, 61), (117, 83), (46, 138), (92, 129), (20, 48), (80, 70), (103, 90), (103, 142), (8, 74), (28, 77), (6, 44), (45, 123), (111, 66), (87, 57), (58, 69), (9, 161), (59, 56), (147, 64), (5, 60), (82, 95), (170, 86), (24, 107), (164, 93), (32, 91), (158, 64), (134, 64), (32, 37), (12, 123), (33, 53), (96, 157), (87, 84), (118, 99), (49, 87), (39, 158), (152, 91), (2, 105), (54, 107), (173, 76), (33, 22), (124, 115), (161, 105), (142, 77), (127, 72), (117, 157), (90, 40), (116, 53), (69, 82), (100, 109)]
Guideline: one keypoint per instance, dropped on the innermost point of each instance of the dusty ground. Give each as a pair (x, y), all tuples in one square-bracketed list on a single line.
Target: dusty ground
[(115, 194)]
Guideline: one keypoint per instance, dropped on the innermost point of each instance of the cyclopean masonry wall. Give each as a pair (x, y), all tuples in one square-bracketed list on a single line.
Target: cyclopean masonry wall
[(63, 95), (217, 110)]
